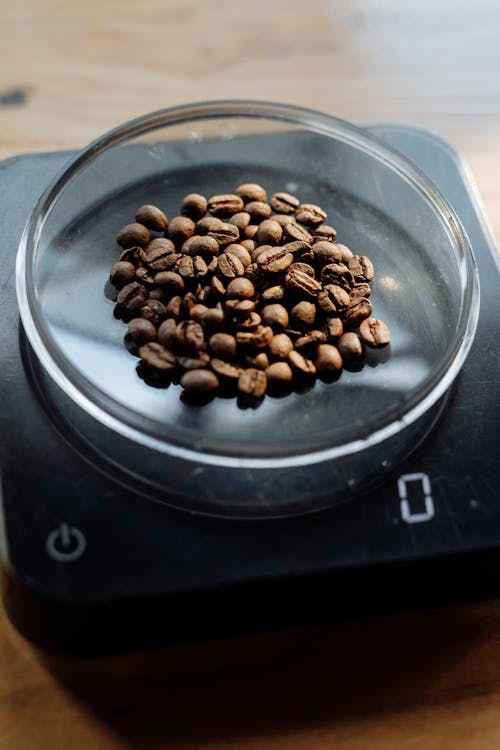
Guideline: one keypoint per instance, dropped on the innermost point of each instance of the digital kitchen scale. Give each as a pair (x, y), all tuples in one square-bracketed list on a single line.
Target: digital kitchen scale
[(90, 565)]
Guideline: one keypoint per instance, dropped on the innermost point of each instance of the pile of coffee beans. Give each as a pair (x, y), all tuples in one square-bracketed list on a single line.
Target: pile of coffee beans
[(243, 291)]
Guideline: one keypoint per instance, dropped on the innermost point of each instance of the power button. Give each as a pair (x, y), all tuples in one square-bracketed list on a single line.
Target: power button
[(65, 543)]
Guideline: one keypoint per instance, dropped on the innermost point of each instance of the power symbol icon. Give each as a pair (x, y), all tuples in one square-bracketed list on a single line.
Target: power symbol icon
[(65, 543)]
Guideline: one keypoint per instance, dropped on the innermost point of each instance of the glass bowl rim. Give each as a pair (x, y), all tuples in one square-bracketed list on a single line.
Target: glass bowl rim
[(63, 373)]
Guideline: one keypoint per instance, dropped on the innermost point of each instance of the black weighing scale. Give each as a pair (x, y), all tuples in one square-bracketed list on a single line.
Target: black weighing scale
[(92, 566)]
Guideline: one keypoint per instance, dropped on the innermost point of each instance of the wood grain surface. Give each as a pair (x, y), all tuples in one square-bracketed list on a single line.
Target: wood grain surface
[(70, 71)]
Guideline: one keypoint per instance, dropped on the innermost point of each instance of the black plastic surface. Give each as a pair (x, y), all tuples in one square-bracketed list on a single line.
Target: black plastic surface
[(92, 566)]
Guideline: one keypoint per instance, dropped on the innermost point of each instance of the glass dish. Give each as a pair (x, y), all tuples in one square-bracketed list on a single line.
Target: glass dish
[(294, 454)]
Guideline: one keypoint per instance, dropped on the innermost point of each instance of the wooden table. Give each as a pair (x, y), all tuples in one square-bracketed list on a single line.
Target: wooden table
[(73, 70)]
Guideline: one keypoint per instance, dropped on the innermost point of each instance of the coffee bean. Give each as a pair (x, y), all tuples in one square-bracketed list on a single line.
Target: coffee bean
[(206, 224), (278, 374), (280, 346), (229, 266), (185, 248), (240, 220), (300, 249), (157, 357), (346, 253), (152, 217), (160, 242), (355, 314), (257, 339), (239, 309), (188, 302), (260, 361), (240, 288), (223, 345), (141, 331), (133, 234), (217, 287), (122, 273), (206, 246), (158, 293), (170, 280), (252, 383), (361, 268), (269, 233), (200, 268), (273, 294), (145, 276), (186, 267), (224, 234), (325, 253), (240, 252), (333, 299), (301, 364), (194, 206), (258, 211), (337, 274), (213, 319), (226, 369), (284, 203), (225, 205), (359, 291), (198, 312), (284, 219), (303, 268), (309, 214), (374, 332), (303, 315), (250, 191), (153, 310), (158, 258), (250, 232), (248, 245), (190, 335), (294, 231), (328, 360), (249, 322), (324, 232), (135, 255), (199, 382), (132, 296), (275, 259), (350, 346), (167, 335), (310, 341), (202, 359), (174, 307), (276, 316), (334, 328), (301, 285), (180, 228)]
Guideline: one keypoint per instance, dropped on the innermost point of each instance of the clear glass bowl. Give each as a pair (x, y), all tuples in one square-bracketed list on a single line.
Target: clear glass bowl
[(294, 454)]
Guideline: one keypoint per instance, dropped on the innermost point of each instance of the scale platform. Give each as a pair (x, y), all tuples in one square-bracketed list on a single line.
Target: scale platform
[(91, 566)]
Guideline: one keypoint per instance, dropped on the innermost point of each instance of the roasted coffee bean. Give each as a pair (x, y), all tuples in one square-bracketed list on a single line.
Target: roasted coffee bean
[(250, 191), (280, 346), (188, 302), (199, 382), (284, 203), (303, 315), (198, 312), (180, 228), (226, 369), (200, 268), (346, 253), (309, 214), (250, 322), (152, 217), (169, 262), (145, 276), (325, 253), (269, 233), (223, 345), (190, 335), (167, 335), (141, 331), (250, 232), (135, 255), (275, 259), (260, 361), (132, 296), (206, 224), (328, 360), (324, 232), (258, 339), (294, 231), (158, 259), (300, 249), (258, 211), (133, 234), (334, 328), (350, 346), (160, 242), (294, 334), (301, 285), (238, 309), (333, 299), (310, 341), (240, 220), (374, 332), (276, 316), (158, 293), (337, 274), (202, 359), (284, 219), (252, 383), (185, 248), (229, 266), (273, 294), (248, 245), (254, 273), (174, 307), (217, 287), (241, 253), (355, 314), (358, 292), (224, 234), (212, 266), (157, 357), (303, 268), (186, 267), (153, 310), (214, 318), (206, 246), (225, 205), (170, 280), (361, 268), (122, 273), (301, 364), (278, 374), (240, 288), (194, 206)]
